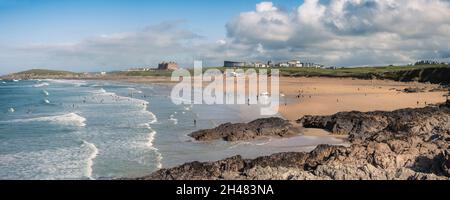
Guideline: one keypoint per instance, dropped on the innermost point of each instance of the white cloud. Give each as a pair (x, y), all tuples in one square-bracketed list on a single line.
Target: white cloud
[(265, 7), (349, 32), (332, 32), (165, 41), (267, 24)]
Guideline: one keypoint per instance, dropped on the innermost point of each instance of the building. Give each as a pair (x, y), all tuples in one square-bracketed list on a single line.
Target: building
[(259, 65), (282, 64), (168, 66), (312, 65), (140, 69), (234, 64), (294, 63)]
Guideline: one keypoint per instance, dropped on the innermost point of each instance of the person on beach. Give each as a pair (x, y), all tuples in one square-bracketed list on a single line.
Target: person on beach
[(195, 122)]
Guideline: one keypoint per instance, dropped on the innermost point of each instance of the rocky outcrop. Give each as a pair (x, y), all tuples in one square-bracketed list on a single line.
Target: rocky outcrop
[(376, 161), (408, 144), (437, 75), (268, 127), (383, 126)]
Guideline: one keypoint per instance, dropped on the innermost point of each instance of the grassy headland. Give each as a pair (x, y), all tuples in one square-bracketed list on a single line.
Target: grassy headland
[(437, 73), (42, 73)]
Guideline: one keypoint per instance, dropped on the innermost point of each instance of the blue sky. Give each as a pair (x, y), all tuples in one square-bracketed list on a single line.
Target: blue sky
[(94, 35), (41, 21)]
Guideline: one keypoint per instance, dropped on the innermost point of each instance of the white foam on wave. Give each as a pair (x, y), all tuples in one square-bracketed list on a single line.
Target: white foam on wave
[(41, 85), (3, 82), (188, 108), (103, 92), (46, 164), (76, 83), (15, 80), (71, 119), (149, 144), (142, 103), (173, 119), (11, 110), (90, 160), (46, 101), (239, 144), (135, 90), (45, 92), (154, 118)]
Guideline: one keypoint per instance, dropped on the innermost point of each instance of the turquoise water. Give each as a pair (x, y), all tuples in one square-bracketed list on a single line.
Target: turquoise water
[(70, 129)]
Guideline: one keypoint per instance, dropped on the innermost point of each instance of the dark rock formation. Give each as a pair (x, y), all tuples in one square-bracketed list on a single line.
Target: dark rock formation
[(414, 90), (383, 126), (437, 75), (407, 144), (268, 127)]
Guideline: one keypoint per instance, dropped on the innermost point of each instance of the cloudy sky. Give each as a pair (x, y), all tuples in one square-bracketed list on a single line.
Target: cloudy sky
[(94, 35)]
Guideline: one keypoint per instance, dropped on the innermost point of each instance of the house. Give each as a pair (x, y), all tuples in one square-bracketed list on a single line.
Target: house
[(259, 65), (140, 69), (282, 64), (234, 64), (294, 63), (167, 66)]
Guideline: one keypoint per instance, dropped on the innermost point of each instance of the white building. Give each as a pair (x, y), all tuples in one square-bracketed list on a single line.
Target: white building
[(282, 64), (294, 63), (259, 65)]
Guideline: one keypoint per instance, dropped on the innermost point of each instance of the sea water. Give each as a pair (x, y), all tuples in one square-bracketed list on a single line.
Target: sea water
[(74, 129)]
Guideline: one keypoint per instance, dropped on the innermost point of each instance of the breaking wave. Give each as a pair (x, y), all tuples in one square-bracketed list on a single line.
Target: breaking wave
[(173, 119), (71, 119), (90, 160), (41, 85), (149, 144), (76, 83)]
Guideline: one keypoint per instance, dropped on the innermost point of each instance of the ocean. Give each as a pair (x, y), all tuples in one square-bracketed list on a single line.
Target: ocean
[(76, 129)]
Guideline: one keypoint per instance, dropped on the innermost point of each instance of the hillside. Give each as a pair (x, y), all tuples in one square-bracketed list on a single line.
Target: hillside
[(423, 73), (42, 73)]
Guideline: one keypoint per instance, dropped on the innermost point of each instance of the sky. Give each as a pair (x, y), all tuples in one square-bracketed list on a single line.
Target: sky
[(98, 35)]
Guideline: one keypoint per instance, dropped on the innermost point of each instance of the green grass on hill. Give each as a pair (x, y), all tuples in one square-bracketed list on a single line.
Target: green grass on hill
[(357, 72), (144, 73), (45, 72)]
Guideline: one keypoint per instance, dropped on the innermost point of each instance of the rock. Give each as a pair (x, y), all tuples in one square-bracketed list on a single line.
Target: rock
[(445, 162), (383, 126), (268, 127), (414, 90)]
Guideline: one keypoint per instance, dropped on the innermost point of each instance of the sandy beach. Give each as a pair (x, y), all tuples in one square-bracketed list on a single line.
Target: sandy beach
[(326, 96), (300, 96)]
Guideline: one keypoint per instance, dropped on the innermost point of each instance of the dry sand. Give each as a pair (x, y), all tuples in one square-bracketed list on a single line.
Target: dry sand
[(327, 96)]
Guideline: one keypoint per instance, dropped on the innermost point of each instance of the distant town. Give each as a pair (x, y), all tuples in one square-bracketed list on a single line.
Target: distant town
[(291, 63), (171, 65)]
